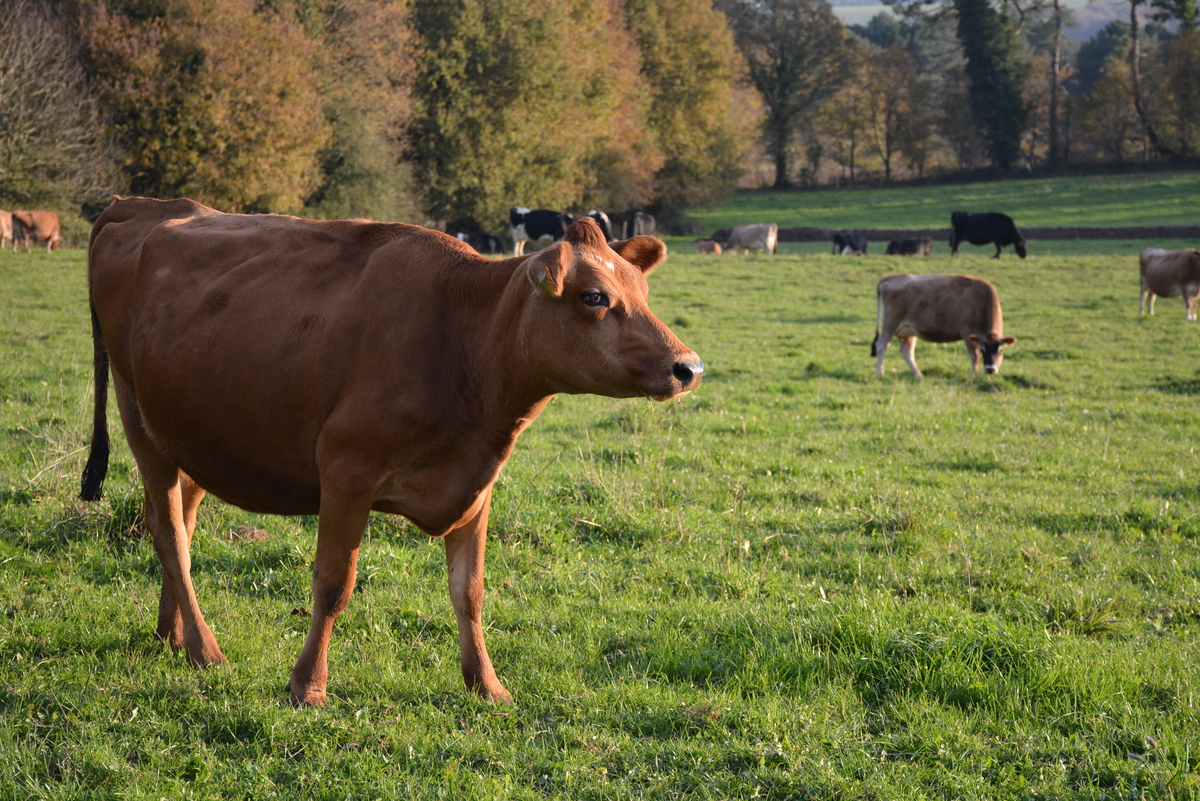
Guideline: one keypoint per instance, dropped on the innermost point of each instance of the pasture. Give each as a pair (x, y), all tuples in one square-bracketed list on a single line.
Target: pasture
[(1154, 198), (799, 582)]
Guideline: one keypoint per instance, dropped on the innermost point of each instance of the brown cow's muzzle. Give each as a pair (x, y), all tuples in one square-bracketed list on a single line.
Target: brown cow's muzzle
[(686, 372)]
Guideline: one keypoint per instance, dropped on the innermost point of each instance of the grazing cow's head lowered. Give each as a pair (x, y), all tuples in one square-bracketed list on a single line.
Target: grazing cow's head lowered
[(990, 349), (595, 331)]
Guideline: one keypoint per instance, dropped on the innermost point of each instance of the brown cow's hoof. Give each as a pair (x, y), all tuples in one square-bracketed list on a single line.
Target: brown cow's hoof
[(311, 696), (496, 693)]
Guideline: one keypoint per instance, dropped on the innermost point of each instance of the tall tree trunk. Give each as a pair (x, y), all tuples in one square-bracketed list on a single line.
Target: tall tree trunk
[(1054, 83), (1135, 69)]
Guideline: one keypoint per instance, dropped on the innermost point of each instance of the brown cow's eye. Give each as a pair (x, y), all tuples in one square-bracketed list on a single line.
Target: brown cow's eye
[(594, 299)]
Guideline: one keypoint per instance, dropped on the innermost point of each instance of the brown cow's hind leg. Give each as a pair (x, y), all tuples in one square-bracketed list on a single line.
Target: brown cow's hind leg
[(465, 548), (339, 533), (171, 499), (907, 344), (170, 621)]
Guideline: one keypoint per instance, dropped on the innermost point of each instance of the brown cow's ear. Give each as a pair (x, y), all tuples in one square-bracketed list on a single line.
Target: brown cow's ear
[(973, 339), (548, 269), (1008, 341), (643, 252)]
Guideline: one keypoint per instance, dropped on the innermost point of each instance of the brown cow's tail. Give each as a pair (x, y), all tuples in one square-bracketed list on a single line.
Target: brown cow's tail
[(97, 463), (878, 322)]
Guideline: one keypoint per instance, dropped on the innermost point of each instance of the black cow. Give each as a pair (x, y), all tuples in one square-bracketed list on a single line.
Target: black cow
[(910, 247), (640, 224), (981, 229), (483, 243), (849, 242), (534, 225), (602, 220)]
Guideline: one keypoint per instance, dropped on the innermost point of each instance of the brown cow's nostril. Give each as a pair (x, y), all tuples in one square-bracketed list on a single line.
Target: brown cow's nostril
[(686, 371)]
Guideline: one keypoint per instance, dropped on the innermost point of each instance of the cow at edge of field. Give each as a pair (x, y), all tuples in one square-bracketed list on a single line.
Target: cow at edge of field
[(640, 224), (536, 225), (602, 221), (940, 308), (36, 226), (760, 236), (987, 228), (1168, 273), (6, 231), (332, 368), (910, 247), (486, 244), (846, 242)]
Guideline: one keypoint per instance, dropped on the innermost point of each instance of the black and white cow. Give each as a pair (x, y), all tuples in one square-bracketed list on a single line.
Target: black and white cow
[(483, 243), (534, 225), (605, 224), (910, 247), (849, 242), (981, 229)]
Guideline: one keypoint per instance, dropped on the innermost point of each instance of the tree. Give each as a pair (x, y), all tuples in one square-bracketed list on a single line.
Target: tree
[(895, 107), (997, 73), (364, 61), (797, 55), (522, 102), (209, 98), (844, 120), (689, 64), (54, 147)]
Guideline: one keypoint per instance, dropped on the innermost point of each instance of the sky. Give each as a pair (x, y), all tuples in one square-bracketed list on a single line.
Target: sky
[(1092, 15)]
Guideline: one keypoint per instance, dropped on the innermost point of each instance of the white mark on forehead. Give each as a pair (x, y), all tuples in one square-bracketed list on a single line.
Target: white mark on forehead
[(611, 267)]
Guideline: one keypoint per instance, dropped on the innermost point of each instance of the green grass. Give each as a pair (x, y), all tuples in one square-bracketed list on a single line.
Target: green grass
[(800, 582), (1160, 198)]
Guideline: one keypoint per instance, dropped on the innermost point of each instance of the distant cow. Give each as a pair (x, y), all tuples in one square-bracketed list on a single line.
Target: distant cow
[(6, 232), (534, 225), (910, 247), (940, 308), (333, 368), (981, 229), (1169, 273), (486, 244), (605, 225), (36, 226), (708, 246), (849, 242), (745, 238), (640, 224)]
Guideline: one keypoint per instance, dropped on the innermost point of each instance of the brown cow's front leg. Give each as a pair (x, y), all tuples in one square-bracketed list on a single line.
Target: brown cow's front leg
[(465, 547), (339, 533)]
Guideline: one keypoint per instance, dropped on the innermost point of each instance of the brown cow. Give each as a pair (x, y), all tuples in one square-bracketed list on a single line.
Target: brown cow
[(6, 232), (38, 226), (708, 246), (296, 366), (940, 308), (1170, 273)]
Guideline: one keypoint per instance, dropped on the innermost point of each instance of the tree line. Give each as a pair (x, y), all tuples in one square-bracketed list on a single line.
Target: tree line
[(447, 112)]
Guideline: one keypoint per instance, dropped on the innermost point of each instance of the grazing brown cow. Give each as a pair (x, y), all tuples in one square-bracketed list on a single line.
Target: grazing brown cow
[(307, 367), (1170, 273), (6, 234), (940, 308), (36, 226), (745, 238), (708, 246)]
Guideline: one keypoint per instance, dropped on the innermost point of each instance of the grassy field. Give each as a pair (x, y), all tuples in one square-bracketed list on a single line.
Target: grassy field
[(1160, 198), (800, 582)]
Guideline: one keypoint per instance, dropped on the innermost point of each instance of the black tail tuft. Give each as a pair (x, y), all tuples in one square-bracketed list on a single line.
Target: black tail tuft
[(874, 352), (97, 463)]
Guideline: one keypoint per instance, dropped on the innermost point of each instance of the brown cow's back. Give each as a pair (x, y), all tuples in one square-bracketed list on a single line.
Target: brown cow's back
[(297, 299)]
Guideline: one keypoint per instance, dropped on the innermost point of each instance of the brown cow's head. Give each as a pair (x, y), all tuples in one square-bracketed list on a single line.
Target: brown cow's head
[(991, 350), (593, 328)]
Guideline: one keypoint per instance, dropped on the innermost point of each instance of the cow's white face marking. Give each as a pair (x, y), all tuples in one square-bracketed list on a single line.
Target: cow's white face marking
[(522, 210), (611, 267)]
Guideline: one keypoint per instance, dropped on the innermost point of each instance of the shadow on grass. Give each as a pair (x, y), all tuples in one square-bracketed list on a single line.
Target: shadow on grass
[(1178, 386)]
